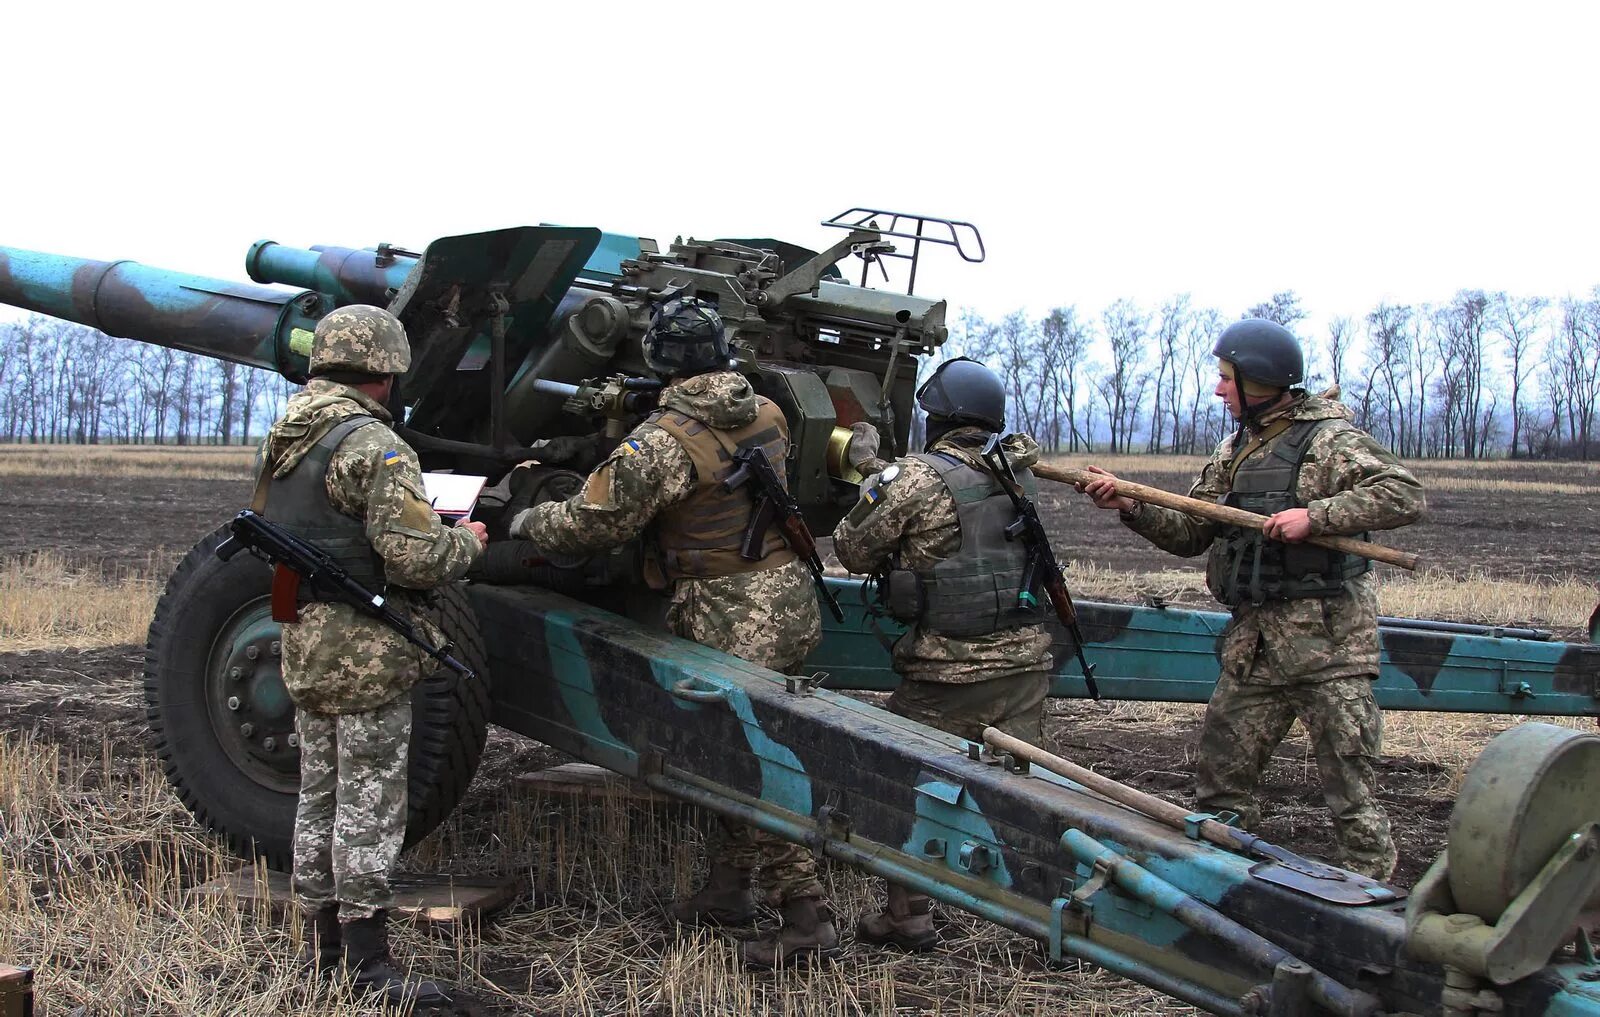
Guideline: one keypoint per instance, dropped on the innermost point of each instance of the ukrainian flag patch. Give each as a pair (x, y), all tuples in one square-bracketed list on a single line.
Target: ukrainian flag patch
[(391, 457), (631, 446)]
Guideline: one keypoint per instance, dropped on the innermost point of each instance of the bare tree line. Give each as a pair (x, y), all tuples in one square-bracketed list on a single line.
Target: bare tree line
[(1482, 374), (61, 382)]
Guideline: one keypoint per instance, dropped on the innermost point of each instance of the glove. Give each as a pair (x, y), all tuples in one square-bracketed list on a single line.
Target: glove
[(863, 447)]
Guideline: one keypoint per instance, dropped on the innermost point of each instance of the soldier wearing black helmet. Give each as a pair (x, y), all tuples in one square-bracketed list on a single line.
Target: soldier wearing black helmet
[(1303, 639), (665, 479), (932, 527)]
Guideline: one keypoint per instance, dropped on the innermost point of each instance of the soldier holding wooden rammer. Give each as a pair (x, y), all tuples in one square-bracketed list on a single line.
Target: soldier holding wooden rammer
[(1303, 639)]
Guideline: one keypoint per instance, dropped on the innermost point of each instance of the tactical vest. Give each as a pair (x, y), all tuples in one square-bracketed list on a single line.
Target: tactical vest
[(1248, 568), (975, 591), (700, 536), (298, 501)]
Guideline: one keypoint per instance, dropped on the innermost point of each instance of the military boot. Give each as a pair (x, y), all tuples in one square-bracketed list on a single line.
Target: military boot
[(807, 936), (372, 970), (323, 941), (907, 922), (725, 899)]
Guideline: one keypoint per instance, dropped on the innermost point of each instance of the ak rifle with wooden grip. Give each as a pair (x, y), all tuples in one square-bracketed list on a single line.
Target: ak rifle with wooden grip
[(1226, 514), (776, 506), (295, 561), (1041, 558)]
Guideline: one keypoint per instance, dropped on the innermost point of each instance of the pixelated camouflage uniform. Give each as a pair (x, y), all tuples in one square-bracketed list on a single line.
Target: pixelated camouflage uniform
[(957, 684), (768, 617), (1312, 658), (348, 674)]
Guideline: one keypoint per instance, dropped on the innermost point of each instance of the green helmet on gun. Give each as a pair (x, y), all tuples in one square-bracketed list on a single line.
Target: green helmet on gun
[(361, 339), (686, 338)]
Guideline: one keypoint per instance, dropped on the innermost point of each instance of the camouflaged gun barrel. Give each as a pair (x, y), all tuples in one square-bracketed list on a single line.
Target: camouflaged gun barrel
[(246, 324), (349, 276)]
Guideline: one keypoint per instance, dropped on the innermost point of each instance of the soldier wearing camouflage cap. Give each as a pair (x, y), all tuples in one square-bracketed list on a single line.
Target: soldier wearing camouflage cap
[(932, 526), (665, 480), (333, 471), (1303, 639)]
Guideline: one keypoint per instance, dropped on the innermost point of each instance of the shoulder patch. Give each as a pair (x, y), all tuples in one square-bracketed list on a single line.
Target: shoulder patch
[(391, 457), (630, 446)]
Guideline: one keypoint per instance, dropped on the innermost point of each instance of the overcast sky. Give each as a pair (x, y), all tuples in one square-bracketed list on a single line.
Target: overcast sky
[(1349, 151)]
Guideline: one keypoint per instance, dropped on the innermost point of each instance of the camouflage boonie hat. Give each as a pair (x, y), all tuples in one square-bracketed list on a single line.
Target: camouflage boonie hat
[(362, 338)]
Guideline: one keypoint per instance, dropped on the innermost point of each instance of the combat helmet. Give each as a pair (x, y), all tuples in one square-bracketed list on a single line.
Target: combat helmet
[(1262, 351), (686, 338), (963, 391), (362, 339)]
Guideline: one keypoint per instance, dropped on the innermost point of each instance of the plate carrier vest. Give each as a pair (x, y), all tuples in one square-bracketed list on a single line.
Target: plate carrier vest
[(700, 536), (1247, 567), (974, 591), (298, 501)]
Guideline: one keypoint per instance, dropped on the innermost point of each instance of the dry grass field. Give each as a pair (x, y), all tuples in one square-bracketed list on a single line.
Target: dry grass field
[(97, 857)]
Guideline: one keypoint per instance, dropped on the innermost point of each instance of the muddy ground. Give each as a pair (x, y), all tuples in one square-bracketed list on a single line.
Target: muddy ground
[(87, 699)]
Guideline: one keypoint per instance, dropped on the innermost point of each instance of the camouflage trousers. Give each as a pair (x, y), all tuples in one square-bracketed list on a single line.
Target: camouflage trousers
[(352, 814), (785, 871), (1245, 722), (1014, 704), (778, 641)]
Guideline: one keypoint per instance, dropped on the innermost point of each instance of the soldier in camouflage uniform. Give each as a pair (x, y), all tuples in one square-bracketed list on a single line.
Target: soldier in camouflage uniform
[(335, 473), (1303, 639), (932, 526), (665, 479)]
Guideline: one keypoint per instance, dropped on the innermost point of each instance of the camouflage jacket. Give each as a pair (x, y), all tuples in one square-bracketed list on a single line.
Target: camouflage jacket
[(768, 617), (336, 660), (1349, 484), (916, 519)]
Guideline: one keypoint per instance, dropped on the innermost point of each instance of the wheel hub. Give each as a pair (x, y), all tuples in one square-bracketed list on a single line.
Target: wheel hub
[(250, 708)]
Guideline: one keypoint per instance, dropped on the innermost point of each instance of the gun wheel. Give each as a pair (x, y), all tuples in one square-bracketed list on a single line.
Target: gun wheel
[(222, 722)]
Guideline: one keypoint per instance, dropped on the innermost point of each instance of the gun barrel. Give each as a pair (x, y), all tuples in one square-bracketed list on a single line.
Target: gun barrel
[(246, 324), (349, 276)]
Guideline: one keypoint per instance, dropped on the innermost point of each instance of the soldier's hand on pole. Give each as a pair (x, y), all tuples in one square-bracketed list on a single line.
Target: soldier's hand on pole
[(1290, 526), (1104, 492)]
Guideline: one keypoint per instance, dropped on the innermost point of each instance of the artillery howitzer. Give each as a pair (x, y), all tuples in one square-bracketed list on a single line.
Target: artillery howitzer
[(524, 341)]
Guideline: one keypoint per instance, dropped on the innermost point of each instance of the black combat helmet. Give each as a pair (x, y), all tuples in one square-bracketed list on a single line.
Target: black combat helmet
[(686, 338), (1262, 351), (964, 391)]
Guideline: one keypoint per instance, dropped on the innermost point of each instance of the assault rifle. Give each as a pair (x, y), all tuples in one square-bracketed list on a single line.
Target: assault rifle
[(774, 504), (1040, 557), (294, 560)]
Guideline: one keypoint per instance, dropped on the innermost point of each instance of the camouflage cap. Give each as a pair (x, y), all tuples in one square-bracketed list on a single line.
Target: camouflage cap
[(360, 337)]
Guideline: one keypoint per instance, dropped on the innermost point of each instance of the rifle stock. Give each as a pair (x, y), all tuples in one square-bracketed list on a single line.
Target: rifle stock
[(1226, 514)]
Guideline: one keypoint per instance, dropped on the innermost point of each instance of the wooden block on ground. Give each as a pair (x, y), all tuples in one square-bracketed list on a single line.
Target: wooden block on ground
[(432, 899), (16, 991), (585, 780)]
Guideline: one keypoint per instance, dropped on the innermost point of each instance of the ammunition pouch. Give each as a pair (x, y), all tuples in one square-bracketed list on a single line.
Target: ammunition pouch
[(902, 596)]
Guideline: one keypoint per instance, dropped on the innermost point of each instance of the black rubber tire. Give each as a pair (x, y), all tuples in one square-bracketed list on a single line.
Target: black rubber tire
[(202, 599)]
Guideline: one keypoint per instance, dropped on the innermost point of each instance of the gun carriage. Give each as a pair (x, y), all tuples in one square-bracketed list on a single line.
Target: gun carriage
[(526, 368)]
